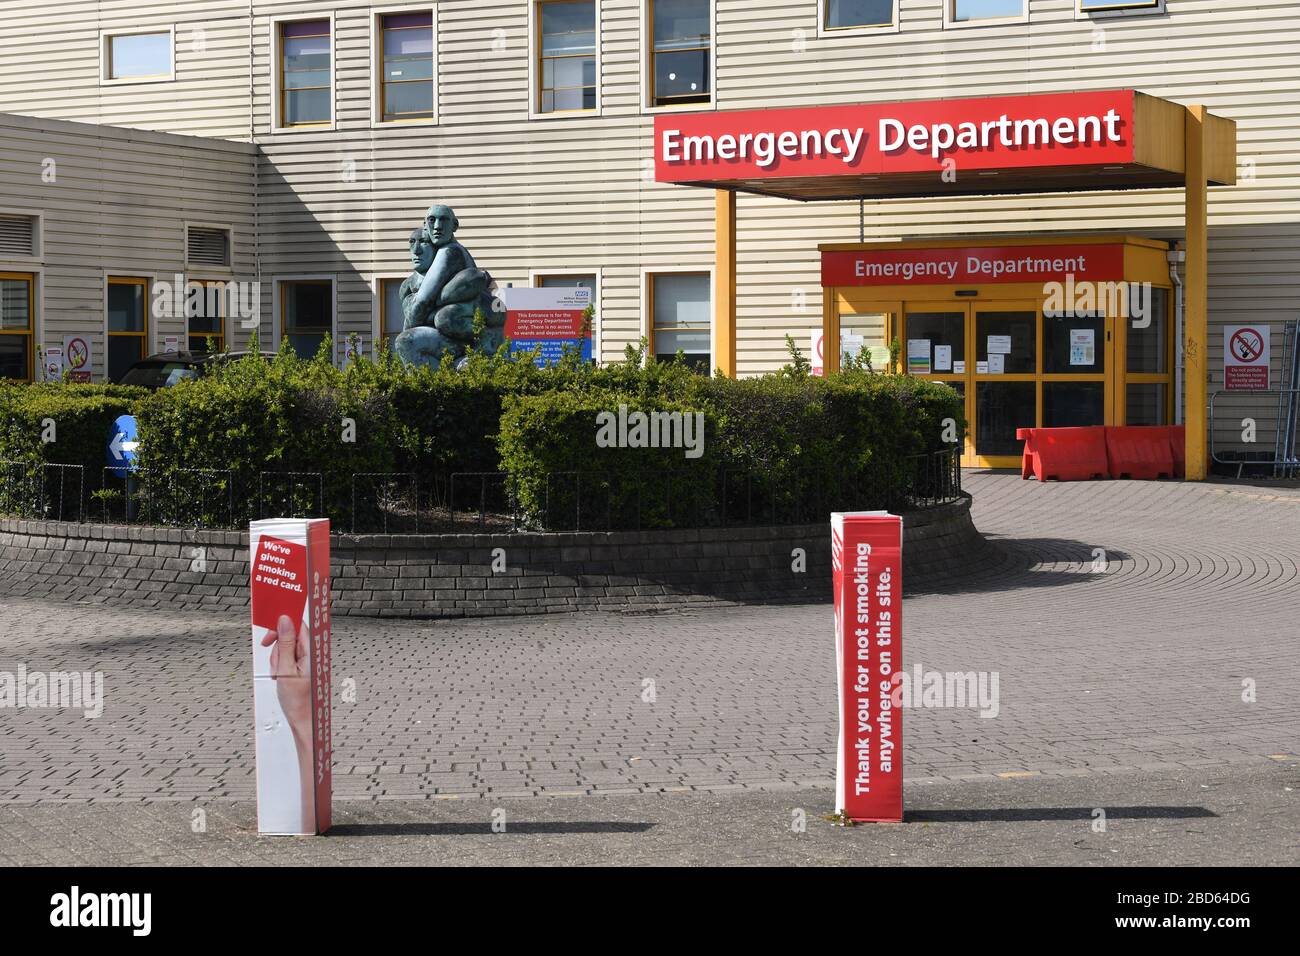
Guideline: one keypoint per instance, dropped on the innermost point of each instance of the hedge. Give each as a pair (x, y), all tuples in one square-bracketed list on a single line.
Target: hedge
[(776, 448), (564, 478), (53, 423), (786, 440)]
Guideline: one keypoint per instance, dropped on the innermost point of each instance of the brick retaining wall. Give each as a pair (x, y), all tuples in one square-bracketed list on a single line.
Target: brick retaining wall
[(450, 575)]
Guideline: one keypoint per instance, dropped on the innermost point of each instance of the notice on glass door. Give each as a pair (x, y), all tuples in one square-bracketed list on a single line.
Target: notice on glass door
[(943, 358), (997, 363), (918, 356), (999, 345), (1083, 347)]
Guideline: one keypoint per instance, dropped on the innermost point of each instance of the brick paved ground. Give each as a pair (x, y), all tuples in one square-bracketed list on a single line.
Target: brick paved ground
[(1210, 816), (1139, 665)]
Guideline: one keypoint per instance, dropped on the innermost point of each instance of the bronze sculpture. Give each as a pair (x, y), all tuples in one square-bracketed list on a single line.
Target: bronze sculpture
[(443, 297)]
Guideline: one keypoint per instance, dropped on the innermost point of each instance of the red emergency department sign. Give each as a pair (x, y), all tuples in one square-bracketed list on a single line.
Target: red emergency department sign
[(866, 556), (877, 139), (1085, 263)]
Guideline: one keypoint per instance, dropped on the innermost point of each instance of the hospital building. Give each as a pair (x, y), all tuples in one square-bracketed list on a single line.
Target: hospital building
[(1076, 212)]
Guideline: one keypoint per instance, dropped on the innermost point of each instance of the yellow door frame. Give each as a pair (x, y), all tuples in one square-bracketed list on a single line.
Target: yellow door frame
[(30, 331), (1144, 261)]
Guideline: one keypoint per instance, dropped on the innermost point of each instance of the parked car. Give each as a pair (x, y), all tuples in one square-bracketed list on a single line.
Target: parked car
[(164, 369)]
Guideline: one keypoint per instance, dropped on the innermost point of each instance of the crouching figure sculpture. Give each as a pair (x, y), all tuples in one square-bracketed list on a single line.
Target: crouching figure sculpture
[(440, 298)]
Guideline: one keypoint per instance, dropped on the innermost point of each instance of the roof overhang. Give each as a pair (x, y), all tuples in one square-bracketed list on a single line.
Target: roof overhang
[(1043, 143)]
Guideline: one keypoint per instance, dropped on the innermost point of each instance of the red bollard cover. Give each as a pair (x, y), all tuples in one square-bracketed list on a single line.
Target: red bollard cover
[(867, 559)]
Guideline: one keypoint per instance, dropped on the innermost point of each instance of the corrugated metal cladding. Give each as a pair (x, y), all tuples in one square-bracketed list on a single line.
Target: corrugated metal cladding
[(576, 194), (109, 201)]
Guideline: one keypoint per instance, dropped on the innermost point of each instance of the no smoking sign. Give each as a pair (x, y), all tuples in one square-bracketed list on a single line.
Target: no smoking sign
[(1245, 357)]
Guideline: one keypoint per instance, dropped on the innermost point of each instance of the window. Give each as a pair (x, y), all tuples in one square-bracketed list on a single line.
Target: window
[(849, 14), (567, 282), (206, 319), (207, 246), (406, 68), (1121, 6), (390, 310), (128, 324), (681, 38), (307, 314), (566, 50), (17, 300), (681, 312), (18, 237), (967, 11), (306, 74), (138, 57)]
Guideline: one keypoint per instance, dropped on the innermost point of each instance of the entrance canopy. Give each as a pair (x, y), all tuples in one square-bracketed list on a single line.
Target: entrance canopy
[(1049, 142)]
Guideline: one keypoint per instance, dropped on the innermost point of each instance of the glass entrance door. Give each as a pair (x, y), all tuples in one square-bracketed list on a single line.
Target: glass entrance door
[(1006, 350), (1015, 368), (864, 338)]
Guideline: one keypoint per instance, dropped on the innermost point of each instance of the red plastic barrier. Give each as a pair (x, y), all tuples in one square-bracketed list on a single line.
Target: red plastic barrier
[(1064, 454), (1177, 448), (1139, 451)]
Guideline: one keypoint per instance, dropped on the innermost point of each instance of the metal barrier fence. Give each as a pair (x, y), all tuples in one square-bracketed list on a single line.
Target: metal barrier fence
[(290, 494), (1284, 461), (49, 492), (179, 497), (402, 503), (385, 503)]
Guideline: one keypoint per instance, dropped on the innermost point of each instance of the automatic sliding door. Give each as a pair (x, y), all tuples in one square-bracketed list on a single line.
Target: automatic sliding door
[(1075, 357), (1006, 379), (934, 347)]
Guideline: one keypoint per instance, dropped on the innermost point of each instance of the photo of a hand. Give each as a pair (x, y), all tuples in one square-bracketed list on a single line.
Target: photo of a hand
[(290, 669)]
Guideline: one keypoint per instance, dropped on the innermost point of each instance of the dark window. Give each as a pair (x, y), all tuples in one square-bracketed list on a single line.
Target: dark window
[(308, 315), (682, 44)]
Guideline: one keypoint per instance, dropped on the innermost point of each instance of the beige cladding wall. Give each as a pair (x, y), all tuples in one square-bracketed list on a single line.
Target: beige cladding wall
[(50, 64), (573, 194), (116, 202)]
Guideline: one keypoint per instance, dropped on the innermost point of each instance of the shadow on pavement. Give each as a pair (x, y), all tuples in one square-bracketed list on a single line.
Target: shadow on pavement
[(469, 829), (1037, 814), (1006, 563)]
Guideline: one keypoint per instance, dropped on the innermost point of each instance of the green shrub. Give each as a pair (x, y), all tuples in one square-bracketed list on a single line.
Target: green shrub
[(564, 479), (66, 424), (786, 446)]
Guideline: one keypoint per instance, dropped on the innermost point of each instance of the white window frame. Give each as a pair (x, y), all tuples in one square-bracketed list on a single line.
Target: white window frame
[(227, 228), (596, 338), (647, 320), (950, 7), (377, 65), (377, 280), (277, 308), (646, 51), (856, 31), (1151, 10), (535, 81), (277, 120), (105, 60), (38, 240)]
